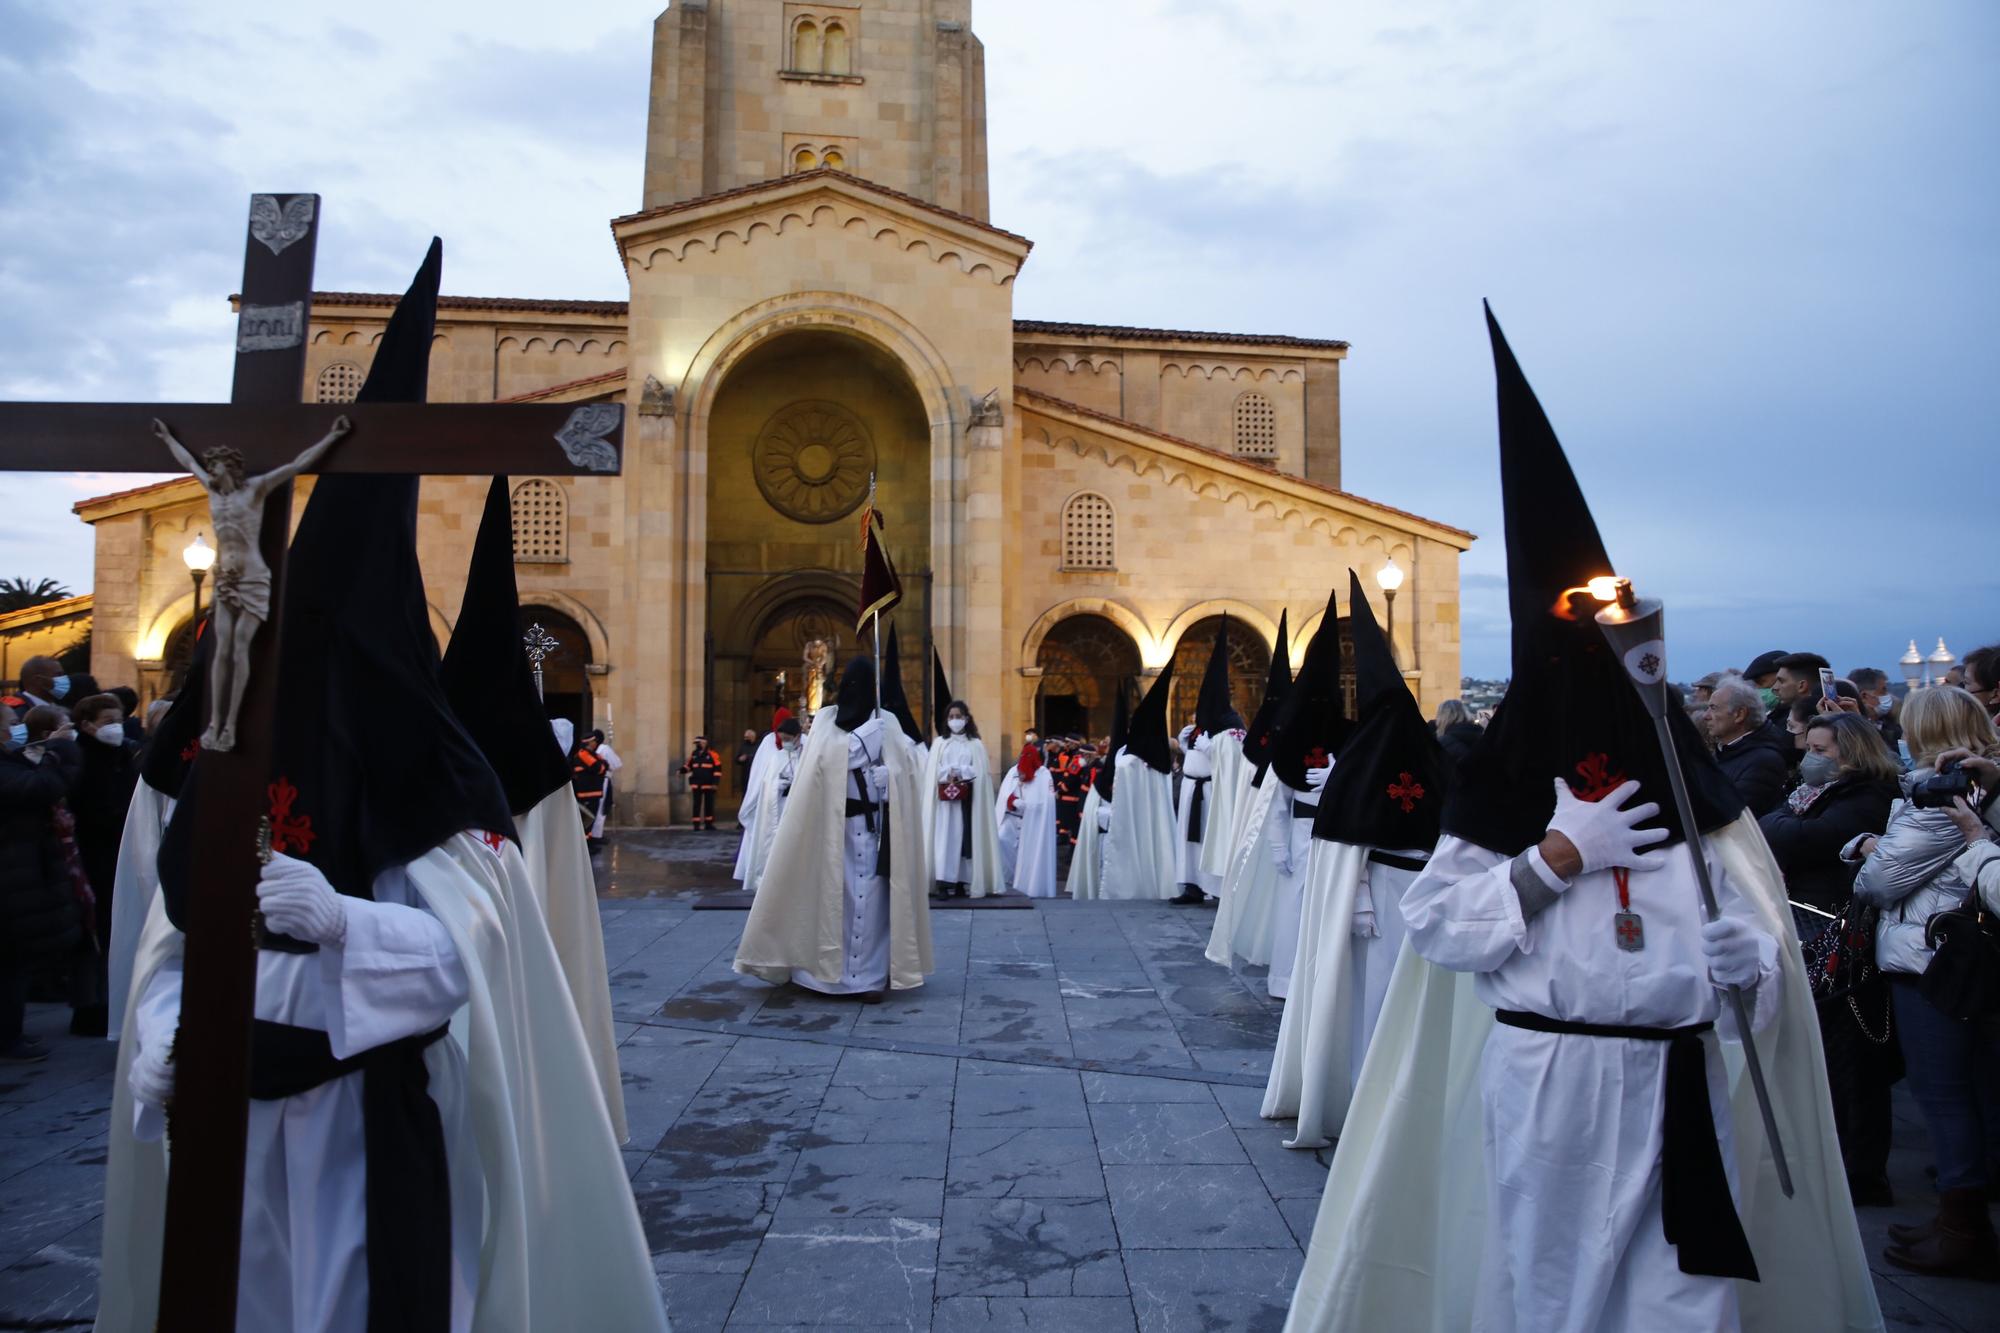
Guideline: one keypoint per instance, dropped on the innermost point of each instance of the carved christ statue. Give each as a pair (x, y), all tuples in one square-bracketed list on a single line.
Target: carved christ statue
[(242, 579)]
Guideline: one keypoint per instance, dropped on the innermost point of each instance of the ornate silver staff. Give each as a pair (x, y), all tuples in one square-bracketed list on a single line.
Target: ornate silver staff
[(539, 643), (1636, 630)]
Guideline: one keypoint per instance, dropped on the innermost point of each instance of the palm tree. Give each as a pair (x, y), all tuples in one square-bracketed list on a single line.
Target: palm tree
[(19, 594)]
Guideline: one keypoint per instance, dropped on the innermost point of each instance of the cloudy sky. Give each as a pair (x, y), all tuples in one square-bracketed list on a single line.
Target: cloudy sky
[(1747, 252)]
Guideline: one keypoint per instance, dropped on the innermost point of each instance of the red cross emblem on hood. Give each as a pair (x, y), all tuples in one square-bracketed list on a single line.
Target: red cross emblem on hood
[(1406, 791)]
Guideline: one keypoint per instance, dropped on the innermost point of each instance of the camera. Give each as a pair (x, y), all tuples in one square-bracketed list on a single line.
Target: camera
[(1939, 790)]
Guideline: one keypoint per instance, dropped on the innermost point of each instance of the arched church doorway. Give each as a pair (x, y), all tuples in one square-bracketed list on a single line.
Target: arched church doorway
[(798, 428), (1249, 664), (565, 678), (179, 656), (1085, 660)]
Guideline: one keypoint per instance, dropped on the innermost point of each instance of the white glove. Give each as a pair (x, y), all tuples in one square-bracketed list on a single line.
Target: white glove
[(1731, 947), (297, 900), (152, 1078), (1604, 833), (878, 781), (1316, 777), (1363, 926)]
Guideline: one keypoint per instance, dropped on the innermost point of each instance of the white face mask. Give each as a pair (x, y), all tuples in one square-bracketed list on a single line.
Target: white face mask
[(111, 733), (957, 724)]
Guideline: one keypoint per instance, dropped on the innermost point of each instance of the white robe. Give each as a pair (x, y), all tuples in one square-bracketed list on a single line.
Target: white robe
[(1288, 839), (1028, 832), (1337, 987), (136, 880), (823, 917), (1246, 899), (557, 860), (1086, 863), (1228, 788), (1140, 854), (1404, 1236), (1197, 774), (769, 751), (766, 811), (545, 1231), (963, 758)]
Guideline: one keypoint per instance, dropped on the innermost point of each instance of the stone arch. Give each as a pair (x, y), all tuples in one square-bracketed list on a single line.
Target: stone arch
[(1242, 613), (166, 621), (806, 46), (1124, 617), (1249, 667), (755, 613), (1083, 664), (585, 618)]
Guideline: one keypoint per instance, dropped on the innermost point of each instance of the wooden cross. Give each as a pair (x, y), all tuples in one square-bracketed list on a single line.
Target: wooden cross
[(266, 423)]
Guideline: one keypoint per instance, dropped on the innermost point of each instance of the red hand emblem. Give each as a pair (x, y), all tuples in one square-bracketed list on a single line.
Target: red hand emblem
[(289, 832)]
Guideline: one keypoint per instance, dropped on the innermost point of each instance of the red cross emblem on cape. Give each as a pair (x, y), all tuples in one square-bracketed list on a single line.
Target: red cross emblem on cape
[(492, 839), (289, 832), (1599, 779), (1406, 791)]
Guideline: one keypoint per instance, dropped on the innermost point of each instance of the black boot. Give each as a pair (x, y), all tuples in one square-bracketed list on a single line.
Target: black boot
[(1962, 1245), (1190, 897)]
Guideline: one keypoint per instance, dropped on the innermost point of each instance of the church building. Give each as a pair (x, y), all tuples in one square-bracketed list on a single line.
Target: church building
[(818, 296)]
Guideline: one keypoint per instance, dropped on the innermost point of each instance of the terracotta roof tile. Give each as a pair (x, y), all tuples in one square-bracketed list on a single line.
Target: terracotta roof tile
[(526, 304), (683, 205), (1078, 409), (82, 505), (532, 394), (1044, 328)]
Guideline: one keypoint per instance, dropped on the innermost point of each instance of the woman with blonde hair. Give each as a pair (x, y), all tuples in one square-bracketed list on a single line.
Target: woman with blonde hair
[(1911, 874)]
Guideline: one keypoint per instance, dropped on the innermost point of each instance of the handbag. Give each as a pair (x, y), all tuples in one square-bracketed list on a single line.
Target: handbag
[(1963, 979), (1840, 957), (951, 789)]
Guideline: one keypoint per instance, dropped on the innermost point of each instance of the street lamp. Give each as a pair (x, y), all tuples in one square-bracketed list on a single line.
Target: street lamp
[(1941, 661), (1913, 666), (200, 557), (1388, 579)]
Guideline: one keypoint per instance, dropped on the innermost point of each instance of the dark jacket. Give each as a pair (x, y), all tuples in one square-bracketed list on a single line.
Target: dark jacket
[(1807, 845), (38, 907), (102, 796), (1460, 738), (1757, 765)]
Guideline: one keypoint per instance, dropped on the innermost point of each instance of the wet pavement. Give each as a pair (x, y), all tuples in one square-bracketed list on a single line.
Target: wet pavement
[(1059, 1132)]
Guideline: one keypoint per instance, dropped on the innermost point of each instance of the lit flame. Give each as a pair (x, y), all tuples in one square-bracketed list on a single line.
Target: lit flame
[(1604, 587)]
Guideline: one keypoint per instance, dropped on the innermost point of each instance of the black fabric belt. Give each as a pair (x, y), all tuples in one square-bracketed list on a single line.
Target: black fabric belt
[(1395, 862), (1300, 810), (965, 836), (270, 941), (1195, 807), (863, 808), (408, 1179), (1696, 1209)]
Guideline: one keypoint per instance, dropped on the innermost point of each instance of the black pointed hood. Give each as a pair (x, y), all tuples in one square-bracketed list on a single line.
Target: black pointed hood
[(1388, 784), (370, 769), (1147, 740), (1107, 772), (486, 674), (1277, 683), (1570, 711), (1213, 712), (895, 701), (1312, 721), (171, 749), (856, 697), (941, 696)]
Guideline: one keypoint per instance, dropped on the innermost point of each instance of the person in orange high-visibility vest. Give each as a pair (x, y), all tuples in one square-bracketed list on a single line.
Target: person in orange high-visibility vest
[(704, 774)]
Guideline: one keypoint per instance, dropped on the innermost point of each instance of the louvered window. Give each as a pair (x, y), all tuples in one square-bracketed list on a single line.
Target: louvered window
[(541, 521), (338, 383), (1089, 533), (1256, 427)]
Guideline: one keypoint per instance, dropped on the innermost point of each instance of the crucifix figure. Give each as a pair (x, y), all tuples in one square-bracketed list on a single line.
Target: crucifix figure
[(201, 1235), (242, 580)]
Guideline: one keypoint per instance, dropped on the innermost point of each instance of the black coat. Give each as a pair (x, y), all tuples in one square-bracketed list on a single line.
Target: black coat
[(1460, 739), (1757, 765), (38, 909), (102, 795), (1808, 845)]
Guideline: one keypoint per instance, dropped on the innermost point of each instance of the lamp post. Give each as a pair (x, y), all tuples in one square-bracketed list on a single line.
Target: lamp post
[(200, 558), (1940, 662), (1388, 579), (1912, 663)]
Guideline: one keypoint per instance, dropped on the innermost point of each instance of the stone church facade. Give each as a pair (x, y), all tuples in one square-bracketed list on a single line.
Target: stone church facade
[(818, 296)]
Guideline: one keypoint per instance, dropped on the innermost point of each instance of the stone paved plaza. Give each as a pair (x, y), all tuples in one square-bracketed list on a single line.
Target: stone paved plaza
[(1059, 1132)]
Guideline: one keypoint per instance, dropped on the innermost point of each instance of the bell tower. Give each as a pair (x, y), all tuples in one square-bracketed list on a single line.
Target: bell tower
[(743, 91)]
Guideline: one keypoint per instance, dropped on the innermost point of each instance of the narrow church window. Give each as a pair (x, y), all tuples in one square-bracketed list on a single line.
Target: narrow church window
[(803, 160), (541, 521), (805, 47), (338, 383), (837, 61), (1089, 533), (1256, 427)]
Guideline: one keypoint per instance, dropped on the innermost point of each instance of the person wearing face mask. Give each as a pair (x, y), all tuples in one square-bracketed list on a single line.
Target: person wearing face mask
[(958, 796), (43, 683), (1847, 785), (103, 792), (38, 917), (1877, 704)]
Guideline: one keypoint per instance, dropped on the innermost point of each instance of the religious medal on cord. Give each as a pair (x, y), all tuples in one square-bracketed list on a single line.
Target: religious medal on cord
[(1625, 923)]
